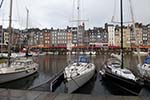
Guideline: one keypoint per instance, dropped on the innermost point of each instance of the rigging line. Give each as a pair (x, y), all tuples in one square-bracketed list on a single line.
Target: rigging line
[(72, 15), (4, 11), (26, 7), (83, 14), (1, 3), (82, 9), (17, 12), (31, 21), (73, 9), (115, 17), (137, 38), (26, 3)]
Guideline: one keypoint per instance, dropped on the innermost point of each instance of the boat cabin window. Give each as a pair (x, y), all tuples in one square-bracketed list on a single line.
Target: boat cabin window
[(18, 63), (148, 62), (116, 65), (126, 72)]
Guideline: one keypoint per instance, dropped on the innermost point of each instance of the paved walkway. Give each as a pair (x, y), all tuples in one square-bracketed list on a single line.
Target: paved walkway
[(10, 94)]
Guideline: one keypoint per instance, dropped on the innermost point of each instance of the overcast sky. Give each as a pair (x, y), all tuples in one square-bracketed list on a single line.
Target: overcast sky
[(59, 13)]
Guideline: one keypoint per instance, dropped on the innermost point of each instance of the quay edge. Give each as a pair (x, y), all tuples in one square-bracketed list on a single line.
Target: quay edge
[(7, 94)]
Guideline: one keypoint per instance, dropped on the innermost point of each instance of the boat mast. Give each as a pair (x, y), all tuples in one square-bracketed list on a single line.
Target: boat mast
[(2, 28), (121, 12), (1, 3), (78, 27), (10, 32), (78, 24), (27, 23)]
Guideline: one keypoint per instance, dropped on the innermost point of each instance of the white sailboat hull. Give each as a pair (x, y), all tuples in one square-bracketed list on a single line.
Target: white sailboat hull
[(77, 82), (7, 77)]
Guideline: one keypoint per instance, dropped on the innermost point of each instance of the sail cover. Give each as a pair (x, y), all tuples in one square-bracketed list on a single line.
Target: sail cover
[(84, 59), (147, 60)]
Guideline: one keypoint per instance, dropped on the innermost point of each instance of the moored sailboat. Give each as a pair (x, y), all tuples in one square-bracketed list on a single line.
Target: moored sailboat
[(114, 70), (144, 70), (76, 74), (16, 68), (122, 77)]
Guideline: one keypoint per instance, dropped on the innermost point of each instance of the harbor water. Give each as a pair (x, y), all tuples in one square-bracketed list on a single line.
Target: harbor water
[(52, 64)]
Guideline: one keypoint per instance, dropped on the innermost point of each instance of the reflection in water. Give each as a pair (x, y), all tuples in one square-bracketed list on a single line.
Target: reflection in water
[(114, 88), (23, 83), (49, 66)]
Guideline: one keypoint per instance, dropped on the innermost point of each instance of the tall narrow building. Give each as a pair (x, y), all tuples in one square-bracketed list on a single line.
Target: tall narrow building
[(110, 28)]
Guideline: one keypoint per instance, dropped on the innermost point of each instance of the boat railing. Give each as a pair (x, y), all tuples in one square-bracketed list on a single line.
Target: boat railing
[(85, 68)]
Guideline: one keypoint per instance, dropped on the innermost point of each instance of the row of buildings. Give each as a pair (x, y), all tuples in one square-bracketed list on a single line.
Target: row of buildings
[(107, 36)]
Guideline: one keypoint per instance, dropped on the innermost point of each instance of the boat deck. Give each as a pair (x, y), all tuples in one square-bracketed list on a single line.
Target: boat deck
[(11, 94)]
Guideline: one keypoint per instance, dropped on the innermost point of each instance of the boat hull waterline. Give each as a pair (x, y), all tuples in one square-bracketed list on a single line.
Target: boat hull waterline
[(17, 75), (128, 85)]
